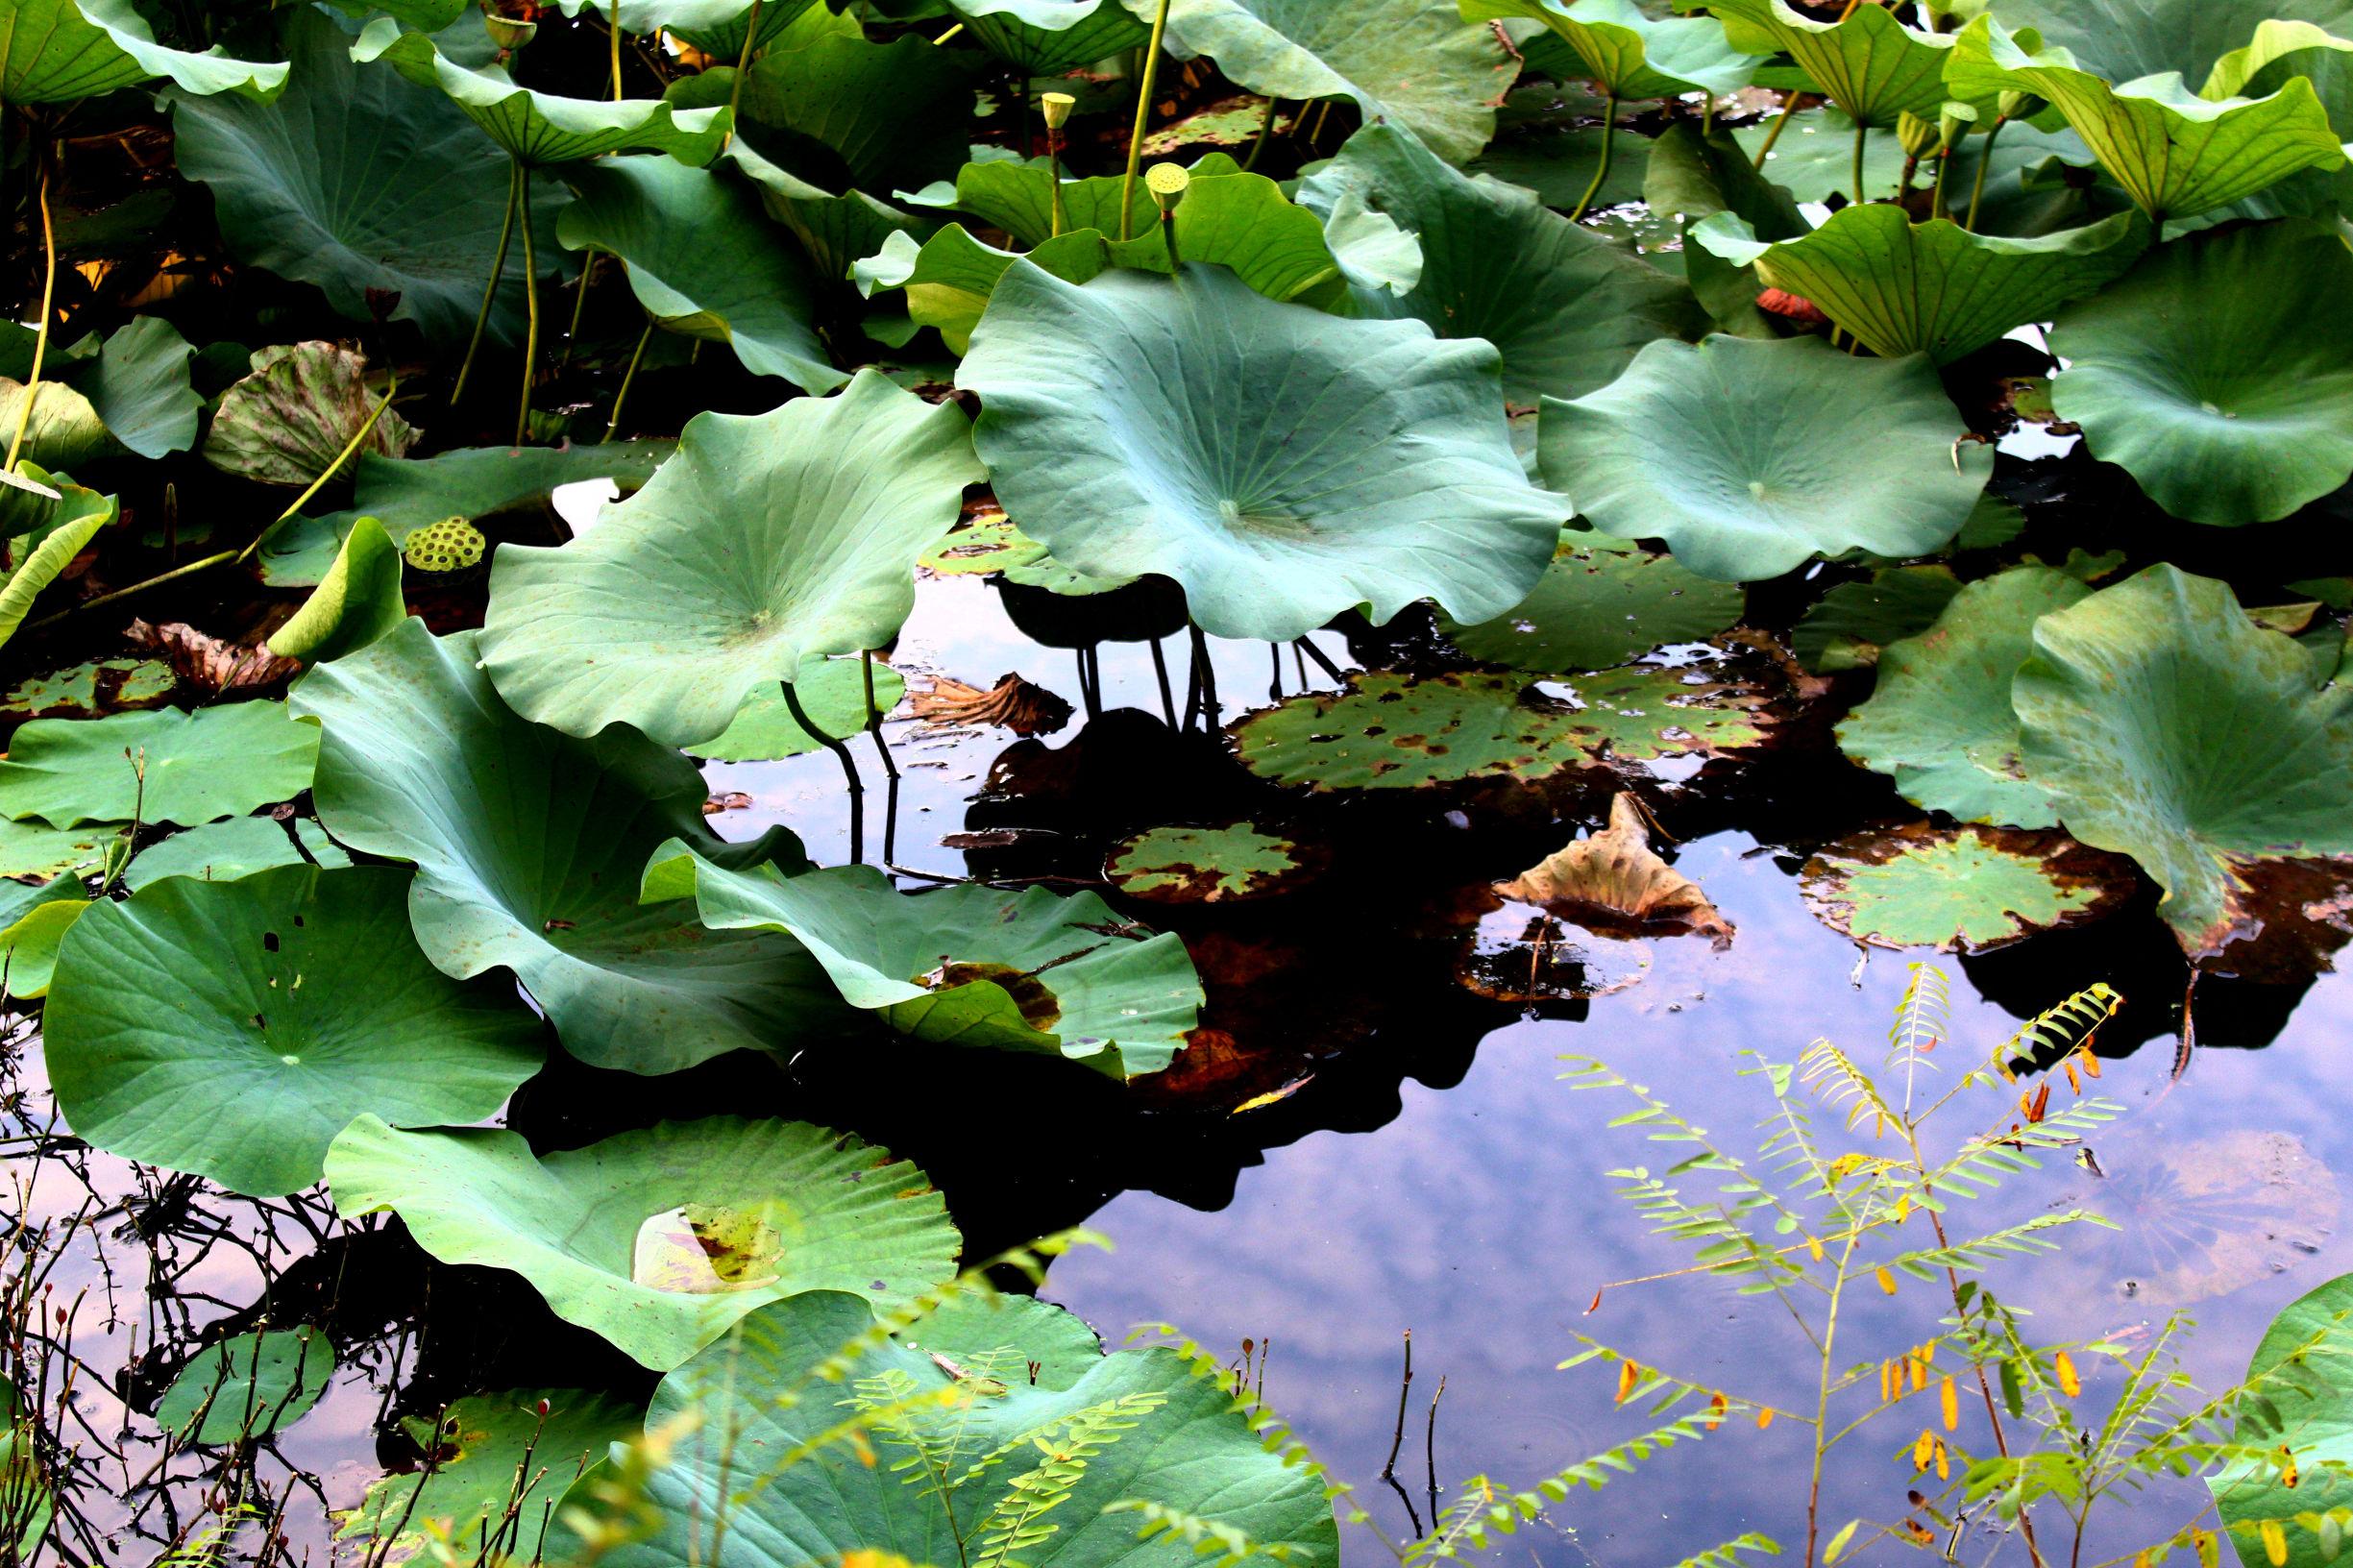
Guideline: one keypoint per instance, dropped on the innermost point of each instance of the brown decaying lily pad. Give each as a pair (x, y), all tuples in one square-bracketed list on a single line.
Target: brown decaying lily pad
[(1963, 889), (1613, 881), (1013, 704), (1233, 863), (209, 662), (1526, 957), (2202, 1217)]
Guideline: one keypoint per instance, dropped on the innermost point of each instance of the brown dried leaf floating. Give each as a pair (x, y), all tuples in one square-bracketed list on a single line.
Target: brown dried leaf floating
[(1614, 879), (204, 660), (1011, 703)]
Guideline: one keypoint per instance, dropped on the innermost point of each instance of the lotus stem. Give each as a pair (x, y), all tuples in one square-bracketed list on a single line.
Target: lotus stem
[(1781, 123), (1985, 161), (1258, 144), (1057, 106), (1205, 677), (579, 309), (873, 720), (850, 769), (743, 63), (490, 291), (1609, 128), (1860, 132), (949, 34), (613, 424), (612, 17), (1168, 183), (1160, 670), (1708, 127), (40, 335), (1936, 187), (531, 303), (1143, 113)]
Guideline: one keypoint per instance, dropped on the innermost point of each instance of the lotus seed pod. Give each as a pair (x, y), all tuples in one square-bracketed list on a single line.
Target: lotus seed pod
[(1953, 122), (1056, 108), (451, 545), (508, 33), (2018, 106), (1167, 182), (1918, 135)]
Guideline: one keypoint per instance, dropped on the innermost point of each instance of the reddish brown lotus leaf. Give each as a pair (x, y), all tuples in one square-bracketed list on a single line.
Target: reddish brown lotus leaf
[(1011, 703), (206, 661), (1614, 880)]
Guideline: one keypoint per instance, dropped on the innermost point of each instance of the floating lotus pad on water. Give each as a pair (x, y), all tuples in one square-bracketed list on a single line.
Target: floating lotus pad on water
[(248, 1388), (1939, 720), (290, 418), (1741, 455), (215, 761), (1848, 626), (2306, 1380), (1603, 602), (38, 851), (224, 851), (2168, 726), (1280, 464), (662, 1238), (88, 691), (968, 964), (2208, 376), (1631, 55), (1959, 888), (64, 51), (1388, 731), (528, 845), (768, 542), (1169, 1432), (833, 694), (2194, 1218), (1209, 865), (1048, 38)]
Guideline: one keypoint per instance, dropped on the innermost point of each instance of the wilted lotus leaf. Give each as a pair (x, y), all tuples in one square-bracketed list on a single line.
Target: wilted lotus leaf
[(1867, 63), (968, 964), (1011, 703), (248, 1386), (1210, 865), (211, 664), (782, 1207), (1613, 880), (451, 545), (86, 690), (1388, 731), (1959, 888), (2207, 376), (833, 694), (1282, 465), (2168, 726), (1046, 38), (289, 420), (2200, 1218), (1848, 626), (63, 51), (231, 1028), (1628, 54), (2301, 1366), (1602, 603), (1741, 455), (1939, 720), (215, 761)]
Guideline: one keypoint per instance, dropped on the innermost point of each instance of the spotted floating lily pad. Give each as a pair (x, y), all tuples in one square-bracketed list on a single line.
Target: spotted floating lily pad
[(1389, 731), (248, 1386), (89, 691), (1966, 889), (1603, 602), (662, 1238), (1231, 864), (2200, 1218)]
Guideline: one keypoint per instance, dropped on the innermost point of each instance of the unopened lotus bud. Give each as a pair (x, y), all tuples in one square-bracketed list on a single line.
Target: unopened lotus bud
[(2018, 106), (508, 33), (1953, 122), (1918, 135), (1167, 182), (1056, 107)]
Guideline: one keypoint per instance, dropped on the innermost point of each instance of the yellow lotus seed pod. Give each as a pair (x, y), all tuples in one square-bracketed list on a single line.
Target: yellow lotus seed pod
[(1056, 108), (1167, 182)]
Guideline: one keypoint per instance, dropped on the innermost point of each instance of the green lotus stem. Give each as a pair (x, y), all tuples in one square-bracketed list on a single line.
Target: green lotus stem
[(531, 303), (743, 62), (874, 720), (1168, 234), (841, 752), (1609, 129), (612, 17), (1143, 113), (1860, 132), (628, 375), (1781, 123), (1707, 117), (40, 335), (579, 308), (497, 271), (1936, 188), (1053, 178), (1985, 161), (1258, 144)]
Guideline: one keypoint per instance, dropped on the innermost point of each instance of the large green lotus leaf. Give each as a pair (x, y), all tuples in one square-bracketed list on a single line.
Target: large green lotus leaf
[(1567, 307), (226, 850), (232, 1028), (361, 182), (63, 51), (137, 383), (2278, 50), (1848, 626), (2123, 40), (1868, 64), (1048, 38), (768, 541), (1935, 288), (1628, 54), (542, 128), (662, 1238), (1414, 62), (1281, 465), (290, 418), (35, 849), (873, 117), (528, 845), (547, 1436), (835, 230), (1959, 888), (2168, 726), (716, 27), (1740, 454), (771, 1399), (63, 431), (2208, 376), (949, 277), (833, 694), (1691, 178), (1602, 601), (2174, 152), (248, 1386), (215, 761), (1019, 198), (2304, 1377), (1389, 731), (968, 964), (703, 260), (356, 602), (1940, 719)]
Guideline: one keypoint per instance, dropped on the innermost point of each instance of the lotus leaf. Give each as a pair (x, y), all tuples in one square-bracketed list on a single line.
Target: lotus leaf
[(485, 1441), (1868, 64), (1602, 601), (528, 845), (1847, 628), (1389, 731), (137, 385), (356, 602), (289, 420), (1161, 1430), (1566, 307), (703, 260), (1046, 38), (2301, 1370), (536, 128), (949, 277), (663, 621), (968, 964), (360, 181), (1281, 465), (28, 943), (1019, 198), (232, 1028), (248, 1386), (981, 544), (1935, 288), (37, 849), (1692, 176), (85, 690), (2208, 376), (63, 51), (79, 515), (662, 1238), (834, 696), (62, 429), (2174, 152), (852, 114), (1232, 864), (1742, 454), (1939, 720), (716, 27), (1629, 55), (996, 1329), (215, 761), (2168, 726), (835, 230), (2123, 39), (1959, 888), (227, 850), (1559, 163)]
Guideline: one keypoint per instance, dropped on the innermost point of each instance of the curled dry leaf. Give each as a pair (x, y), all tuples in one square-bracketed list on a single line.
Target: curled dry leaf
[(204, 660), (1614, 880), (1011, 703)]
